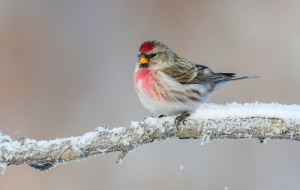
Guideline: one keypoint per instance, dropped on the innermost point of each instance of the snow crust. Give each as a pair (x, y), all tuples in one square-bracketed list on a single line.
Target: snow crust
[(3, 166), (232, 110), (10, 149), (231, 114), (4, 138), (211, 111)]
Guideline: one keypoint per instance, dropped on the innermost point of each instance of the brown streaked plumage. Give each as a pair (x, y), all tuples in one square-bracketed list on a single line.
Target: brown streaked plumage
[(169, 84)]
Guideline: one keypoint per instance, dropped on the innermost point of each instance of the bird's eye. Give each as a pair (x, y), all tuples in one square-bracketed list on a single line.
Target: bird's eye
[(152, 55)]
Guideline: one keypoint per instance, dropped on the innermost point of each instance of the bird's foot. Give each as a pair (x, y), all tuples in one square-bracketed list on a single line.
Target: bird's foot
[(161, 116), (181, 118)]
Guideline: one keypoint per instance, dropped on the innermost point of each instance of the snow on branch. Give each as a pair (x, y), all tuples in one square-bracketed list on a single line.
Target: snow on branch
[(209, 122)]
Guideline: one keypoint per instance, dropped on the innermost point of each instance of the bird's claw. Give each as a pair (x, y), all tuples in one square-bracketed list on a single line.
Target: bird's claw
[(181, 118)]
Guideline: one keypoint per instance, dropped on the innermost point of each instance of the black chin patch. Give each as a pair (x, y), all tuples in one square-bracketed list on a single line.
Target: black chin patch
[(145, 65)]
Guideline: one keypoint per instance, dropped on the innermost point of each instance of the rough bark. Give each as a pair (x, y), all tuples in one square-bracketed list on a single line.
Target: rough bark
[(43, 155)]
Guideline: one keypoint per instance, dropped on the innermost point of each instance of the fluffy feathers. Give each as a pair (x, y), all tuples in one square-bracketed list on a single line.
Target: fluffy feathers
[(172, 84)]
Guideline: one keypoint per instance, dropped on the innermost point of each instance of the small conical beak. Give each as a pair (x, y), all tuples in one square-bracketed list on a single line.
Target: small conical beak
[(143, 60)]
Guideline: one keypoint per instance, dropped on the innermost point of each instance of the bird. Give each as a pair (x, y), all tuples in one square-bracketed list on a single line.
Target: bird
[(168, 84)]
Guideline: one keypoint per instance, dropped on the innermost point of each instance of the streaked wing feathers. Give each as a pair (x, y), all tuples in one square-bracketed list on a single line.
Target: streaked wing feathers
[(183, 71), (186, 72), (204, 75)]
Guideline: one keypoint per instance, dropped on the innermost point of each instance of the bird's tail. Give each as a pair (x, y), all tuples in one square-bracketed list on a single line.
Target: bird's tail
[(232, 76), (244, 77)]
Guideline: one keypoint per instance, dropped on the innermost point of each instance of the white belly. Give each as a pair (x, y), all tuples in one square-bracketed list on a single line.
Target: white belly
[(179, 101)]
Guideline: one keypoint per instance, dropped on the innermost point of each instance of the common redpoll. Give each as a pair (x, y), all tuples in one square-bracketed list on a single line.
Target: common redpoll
[(169, 84)]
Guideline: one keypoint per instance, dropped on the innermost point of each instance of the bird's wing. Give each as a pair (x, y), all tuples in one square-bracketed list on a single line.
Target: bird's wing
[(186, 72), (183, 70), (205, 75)]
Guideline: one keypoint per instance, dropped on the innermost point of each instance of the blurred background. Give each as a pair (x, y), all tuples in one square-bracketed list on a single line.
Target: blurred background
[(66, 67)]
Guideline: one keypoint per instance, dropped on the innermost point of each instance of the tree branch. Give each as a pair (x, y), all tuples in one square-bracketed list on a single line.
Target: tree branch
[(43, 155)]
